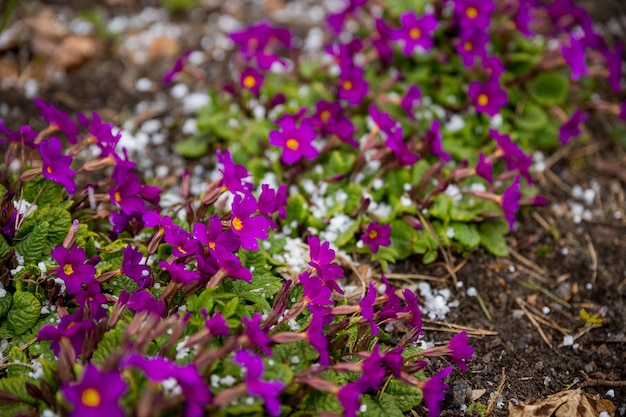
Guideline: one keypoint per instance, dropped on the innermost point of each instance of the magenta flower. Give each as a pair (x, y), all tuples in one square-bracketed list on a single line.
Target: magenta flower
[(56, 167), (474, 12), (373, 371), (349, 397), (141, 274), (433, 391), (231, 265), (195, 391), (493, 66), (58, 120), (97, 394), (367, 307), (216, 324), (329, 119), (614, 61), (272, 201), (415, 32), (413, 309), (411, 100), (315, 333), (101, 134), (321, 259), (232, 174), (400, 149), (91, 300), (510, 202), (484, 168), (24, 135), (523, 18), (433, 142), (574, 55), (143, 300), (352, 85), (488, 97), (251, 79), (459, 350), (72, 267), (343, 53), (376, 235), (571, 128), (336, 20), (473, 43), (315, 292), (245, 226), (258, 42), (296, 141), (126, 192), (215, 236), (381, 41), (181, 240), (392, 304), (269, 391), (178, 66), (512, 155), (256, 336), (72, 327), (179, 272), (383, 121)]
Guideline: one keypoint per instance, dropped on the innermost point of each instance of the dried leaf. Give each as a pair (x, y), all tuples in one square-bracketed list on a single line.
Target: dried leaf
[(75, 50), (564, 404)]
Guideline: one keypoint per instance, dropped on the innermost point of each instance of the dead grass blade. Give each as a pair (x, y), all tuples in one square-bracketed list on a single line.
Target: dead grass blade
[(498, 392), (532, 319)]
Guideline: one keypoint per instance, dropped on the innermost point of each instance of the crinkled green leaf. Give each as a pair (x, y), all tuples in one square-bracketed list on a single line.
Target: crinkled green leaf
[(24, 312), (403, 238), (110, 341), (492, 239), (17, 387), (5, 304), (385, 407), (193, 147), (405, 397), (43, 192), (230, 307), (441, 208), (4, 247), (33, 245), (533, 118), (550, 88), (296, 208), (466, 234), (16, 358)]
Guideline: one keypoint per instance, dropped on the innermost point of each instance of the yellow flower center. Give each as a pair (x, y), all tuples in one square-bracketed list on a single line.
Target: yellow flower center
[(415, 33), (117, 196), (237, 224), (373, 234), (212, 245), (483, 99), (292, 144), (90, 398), (347, 85), (324, 116), (468, 46), (49, 169), (68, 269), (249, 81), (471, 12), (181, 250)]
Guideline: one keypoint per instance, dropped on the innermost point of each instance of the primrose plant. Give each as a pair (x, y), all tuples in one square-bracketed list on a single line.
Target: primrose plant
[(409, 131)]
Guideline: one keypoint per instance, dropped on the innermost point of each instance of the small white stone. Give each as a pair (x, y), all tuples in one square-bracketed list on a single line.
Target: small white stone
[(471, 292), (568, 340)]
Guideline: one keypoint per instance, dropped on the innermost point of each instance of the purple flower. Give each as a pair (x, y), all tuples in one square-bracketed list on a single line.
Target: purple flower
[(232, 174), (344, 53), (247, 227), (488, 97), (484, 168), (381, 42), (574, 55), (91, 300), (195, 391), (393, 361), (400, 149), (415, 32), (256, 336), (24, 135), (336, 20), (56, 167), (215, 236), (58, 120), (315, 292), (382, 121), (614, 63), (251, 79), (367, 307), (459, 350), (178, 66), (321, 259), (349, 395), (393, 303), (97, 394), (257, 43), (315, 334), (181, 240), (376, 235), (352, 86), (269, 391), (373, 371), (329, 119), (493, 66), (101, 134), (571, 128), (143, 300), (410, 100), (141, 274), (216, 324), (125, 192), (473, 43), (231, 265), (179, 272), (510, 202), (413, 309), (512, 155), (433, 142), (296, 141), (523, 19), (272, 201), (72, 327), (474, 12), (72, 267), (433, 391)]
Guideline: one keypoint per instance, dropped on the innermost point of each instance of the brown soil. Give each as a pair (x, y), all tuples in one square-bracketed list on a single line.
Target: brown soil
[(585, 264)]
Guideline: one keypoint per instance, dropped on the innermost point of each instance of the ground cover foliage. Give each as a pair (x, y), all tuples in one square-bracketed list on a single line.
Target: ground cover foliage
[(410, 132)]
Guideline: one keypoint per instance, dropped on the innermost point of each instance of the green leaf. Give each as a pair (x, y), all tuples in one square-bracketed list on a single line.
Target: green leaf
[(533, 118), (193, 147), (60, 221), (278, 372), (405, 397), (230, 307), (43, 192), (110, 341), (24, 312), (347, 235), (430, 257), (4, 247), (32, 247), (5, 304), (385, 407), (466, 234), (441, 208), (17, 387), (325, 402), (17, 357), (403, 238), (550, 88), (492, 239), (296, 208)]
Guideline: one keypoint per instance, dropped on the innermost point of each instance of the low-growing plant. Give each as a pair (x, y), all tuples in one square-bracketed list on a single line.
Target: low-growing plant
[(234, 301)]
